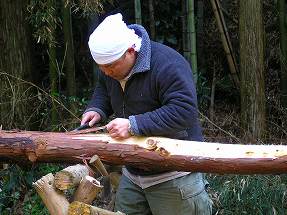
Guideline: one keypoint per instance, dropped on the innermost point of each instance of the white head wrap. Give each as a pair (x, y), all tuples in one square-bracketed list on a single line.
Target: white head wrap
[(111, 39)]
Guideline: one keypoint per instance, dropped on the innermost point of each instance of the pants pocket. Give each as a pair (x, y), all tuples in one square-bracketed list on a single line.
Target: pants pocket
[(197, 198), (191, 190)]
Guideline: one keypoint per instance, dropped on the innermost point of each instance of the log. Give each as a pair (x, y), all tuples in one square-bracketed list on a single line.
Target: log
[(88, 190), (149, 153), (55, 200), (96, 163), (79, 208), (70, 177)]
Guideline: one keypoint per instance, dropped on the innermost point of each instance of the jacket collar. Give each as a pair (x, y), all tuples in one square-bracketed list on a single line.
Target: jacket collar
[(142, 63)]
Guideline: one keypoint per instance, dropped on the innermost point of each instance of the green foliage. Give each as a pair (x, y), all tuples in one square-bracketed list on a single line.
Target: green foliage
[(16, 185), (257, 194), (42, 18)]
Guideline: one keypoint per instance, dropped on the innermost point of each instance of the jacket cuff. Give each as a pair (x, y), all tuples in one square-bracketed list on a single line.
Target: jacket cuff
[(134, 125), (99, 111)]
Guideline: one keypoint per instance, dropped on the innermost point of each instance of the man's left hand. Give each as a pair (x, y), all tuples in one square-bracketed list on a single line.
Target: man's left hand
[(119, 128)]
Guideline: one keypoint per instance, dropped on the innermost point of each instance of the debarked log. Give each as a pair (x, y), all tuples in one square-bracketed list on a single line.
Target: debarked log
[(148, 153)]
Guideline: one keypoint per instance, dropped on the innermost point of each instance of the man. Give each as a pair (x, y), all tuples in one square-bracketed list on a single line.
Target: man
[(149, 88)]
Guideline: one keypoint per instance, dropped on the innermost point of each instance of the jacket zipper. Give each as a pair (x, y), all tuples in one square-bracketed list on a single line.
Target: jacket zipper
[(124, 97)]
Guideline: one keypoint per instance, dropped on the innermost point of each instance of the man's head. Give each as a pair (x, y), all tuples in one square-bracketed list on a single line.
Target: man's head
[(113, 47)]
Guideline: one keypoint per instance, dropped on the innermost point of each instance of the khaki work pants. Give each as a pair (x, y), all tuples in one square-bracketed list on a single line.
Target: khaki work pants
[(180, 196)]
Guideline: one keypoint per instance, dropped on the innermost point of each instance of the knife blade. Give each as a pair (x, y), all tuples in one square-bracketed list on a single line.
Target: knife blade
[(84, 129)]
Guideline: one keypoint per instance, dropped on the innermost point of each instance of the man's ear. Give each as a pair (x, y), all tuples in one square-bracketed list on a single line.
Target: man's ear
[(131, 50)]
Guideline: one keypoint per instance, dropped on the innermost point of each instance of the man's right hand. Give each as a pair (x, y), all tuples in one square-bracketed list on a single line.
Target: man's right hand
[(92, 117)]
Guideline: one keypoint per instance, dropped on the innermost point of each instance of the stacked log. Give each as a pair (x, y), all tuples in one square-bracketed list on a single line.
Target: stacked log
[(51, 190)]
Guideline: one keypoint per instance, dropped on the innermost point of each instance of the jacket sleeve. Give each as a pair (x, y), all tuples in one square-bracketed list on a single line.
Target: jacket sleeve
[(100, 101), (177, 94)]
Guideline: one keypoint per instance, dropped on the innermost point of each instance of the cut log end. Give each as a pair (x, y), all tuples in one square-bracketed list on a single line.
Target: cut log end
[(79, 208), (88, 190), (70, 177)]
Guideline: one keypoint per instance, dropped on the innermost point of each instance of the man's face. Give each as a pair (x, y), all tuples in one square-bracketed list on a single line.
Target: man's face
[(120, 68)]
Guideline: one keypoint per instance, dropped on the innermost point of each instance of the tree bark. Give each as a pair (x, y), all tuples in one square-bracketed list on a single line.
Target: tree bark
[(15, 61), (252, 68), (282, 8), (148, 153)]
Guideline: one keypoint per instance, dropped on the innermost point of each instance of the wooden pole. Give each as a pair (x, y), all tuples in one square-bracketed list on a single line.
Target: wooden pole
[(149, 153)]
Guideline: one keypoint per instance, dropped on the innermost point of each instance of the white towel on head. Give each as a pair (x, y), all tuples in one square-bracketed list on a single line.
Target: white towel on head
[(111, 39)]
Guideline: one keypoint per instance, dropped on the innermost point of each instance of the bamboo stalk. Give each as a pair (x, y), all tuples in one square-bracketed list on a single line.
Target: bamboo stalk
[(226, 42), (138, 13), (192, 37)]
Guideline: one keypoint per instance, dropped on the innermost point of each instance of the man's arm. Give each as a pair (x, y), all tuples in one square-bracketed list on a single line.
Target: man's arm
[(179, 103)]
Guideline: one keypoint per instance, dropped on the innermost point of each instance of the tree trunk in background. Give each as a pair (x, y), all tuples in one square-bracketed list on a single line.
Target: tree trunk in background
[(282, 7), (252, 68), (53, 66), (192, 38), (69, 53), (69, 49), (200, 34), (184, 26), (138, 13), (15, 60), (151, 19)]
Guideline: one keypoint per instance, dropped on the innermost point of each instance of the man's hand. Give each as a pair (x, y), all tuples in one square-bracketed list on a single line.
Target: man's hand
[(92, 117), (119, 128)]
